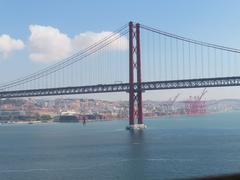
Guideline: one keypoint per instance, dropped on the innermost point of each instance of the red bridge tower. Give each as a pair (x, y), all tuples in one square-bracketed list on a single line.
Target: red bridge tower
[(135, 91)]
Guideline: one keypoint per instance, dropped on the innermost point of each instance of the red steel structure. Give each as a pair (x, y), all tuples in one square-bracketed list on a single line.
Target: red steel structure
[(195, 105), (135, 94)]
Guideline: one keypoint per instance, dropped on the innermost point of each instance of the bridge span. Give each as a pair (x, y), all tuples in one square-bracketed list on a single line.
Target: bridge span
[(124, 87)]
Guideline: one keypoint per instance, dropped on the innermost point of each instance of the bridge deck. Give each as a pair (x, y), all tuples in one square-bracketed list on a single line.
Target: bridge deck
[(106, 88)]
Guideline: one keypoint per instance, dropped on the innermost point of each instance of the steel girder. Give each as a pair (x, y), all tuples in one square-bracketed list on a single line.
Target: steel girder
[(124, 87)]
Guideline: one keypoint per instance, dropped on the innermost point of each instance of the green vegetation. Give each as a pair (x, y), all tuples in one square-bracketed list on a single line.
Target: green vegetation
[(44, 118)]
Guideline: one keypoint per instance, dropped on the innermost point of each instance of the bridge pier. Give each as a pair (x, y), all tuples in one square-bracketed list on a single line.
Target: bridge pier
[(135, 92)]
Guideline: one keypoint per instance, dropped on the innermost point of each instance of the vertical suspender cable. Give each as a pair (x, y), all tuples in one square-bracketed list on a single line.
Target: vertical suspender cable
[(208, 58), (165, 58), (160, 58), (177, 51), (183, 54), (171, 58), (195, 57), (202, 62), (189, 60)]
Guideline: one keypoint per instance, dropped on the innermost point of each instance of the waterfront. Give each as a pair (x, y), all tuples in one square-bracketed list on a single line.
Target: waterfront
[(172, 147)]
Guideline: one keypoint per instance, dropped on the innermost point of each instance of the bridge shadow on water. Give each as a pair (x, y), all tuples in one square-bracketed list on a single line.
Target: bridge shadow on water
[(136, 163)]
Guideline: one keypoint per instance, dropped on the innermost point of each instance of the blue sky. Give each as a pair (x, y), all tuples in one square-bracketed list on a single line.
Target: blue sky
[(195, 18), (215, 21)]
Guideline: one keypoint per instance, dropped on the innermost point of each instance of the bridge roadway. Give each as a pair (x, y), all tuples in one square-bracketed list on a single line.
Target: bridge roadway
[(124, 87)]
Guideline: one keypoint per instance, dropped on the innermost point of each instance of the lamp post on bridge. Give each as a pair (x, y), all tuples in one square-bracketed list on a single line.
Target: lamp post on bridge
[(135, 91)]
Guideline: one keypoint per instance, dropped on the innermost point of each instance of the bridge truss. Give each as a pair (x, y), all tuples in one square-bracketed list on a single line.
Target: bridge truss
[(125, 87)]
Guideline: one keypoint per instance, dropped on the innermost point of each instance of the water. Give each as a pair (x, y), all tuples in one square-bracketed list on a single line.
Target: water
[(172, 147)]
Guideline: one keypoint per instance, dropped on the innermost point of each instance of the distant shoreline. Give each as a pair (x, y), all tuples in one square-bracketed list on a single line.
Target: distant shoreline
[(104, 120)]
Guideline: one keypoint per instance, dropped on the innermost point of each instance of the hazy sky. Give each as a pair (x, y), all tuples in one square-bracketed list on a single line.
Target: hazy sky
[(215, 21)]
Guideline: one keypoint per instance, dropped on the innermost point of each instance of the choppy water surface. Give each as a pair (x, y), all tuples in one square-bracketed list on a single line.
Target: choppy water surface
[(172, 147)]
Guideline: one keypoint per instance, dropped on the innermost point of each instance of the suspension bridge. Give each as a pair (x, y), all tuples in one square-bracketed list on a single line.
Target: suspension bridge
[(133, 59)]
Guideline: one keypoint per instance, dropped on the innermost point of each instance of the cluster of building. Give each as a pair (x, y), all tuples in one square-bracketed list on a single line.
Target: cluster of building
[(51, 109), (33, 109)]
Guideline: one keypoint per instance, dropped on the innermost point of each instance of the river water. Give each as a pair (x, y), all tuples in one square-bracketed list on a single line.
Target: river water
[(171, 147)]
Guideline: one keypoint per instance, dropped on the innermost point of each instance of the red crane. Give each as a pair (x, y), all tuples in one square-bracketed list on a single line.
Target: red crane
[(168, 106), (196, 105)]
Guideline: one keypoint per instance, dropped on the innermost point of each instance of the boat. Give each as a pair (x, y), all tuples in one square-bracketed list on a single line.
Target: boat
[(68, 116)]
